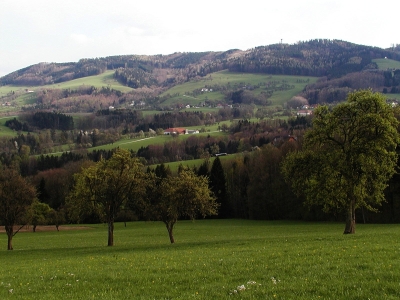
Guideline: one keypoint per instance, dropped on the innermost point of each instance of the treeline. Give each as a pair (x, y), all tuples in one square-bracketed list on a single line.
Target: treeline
[(320, 57), (392, 81), (249, 185), (42, 120), (135, 78), (337, 89)]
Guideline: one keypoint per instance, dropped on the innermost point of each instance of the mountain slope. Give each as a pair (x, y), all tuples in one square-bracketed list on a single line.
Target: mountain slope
[(332, 58)]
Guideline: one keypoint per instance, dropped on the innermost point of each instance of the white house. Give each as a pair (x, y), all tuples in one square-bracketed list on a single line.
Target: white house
[(304, 112)]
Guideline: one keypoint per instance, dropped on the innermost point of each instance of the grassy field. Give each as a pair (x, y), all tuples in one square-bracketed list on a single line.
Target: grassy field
[(5, 89), (211, 259), (4, 130), (196, 162), (392, 96), (136, 143), (103, 80), (224, 78), (384, 64)]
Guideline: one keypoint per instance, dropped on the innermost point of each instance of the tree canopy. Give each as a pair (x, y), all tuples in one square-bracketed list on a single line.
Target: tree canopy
[(107, 186), (348, 156), (184, 196), (16, 195)]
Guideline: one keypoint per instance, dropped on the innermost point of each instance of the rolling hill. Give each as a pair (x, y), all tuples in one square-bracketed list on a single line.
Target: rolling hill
[(173, 81)]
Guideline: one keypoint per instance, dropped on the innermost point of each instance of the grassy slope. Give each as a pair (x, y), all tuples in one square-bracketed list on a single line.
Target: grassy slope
[(102, 80), (4, 90), (136, 143), (384, 64), (5, 131), (225, 77), (210, 260), (196, 162)]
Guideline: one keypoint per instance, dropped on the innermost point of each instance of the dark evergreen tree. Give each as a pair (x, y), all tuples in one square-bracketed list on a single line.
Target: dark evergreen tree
[(162, 172), (203, 169), (42, 194), (218, 186)]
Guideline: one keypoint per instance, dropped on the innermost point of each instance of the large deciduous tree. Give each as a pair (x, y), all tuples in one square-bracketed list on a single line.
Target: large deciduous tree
[(184, 196), (348, 156), (108, 186), (16, 195)]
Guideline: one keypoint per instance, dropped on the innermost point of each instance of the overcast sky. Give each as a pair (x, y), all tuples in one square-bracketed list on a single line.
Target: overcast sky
[(33, 31)]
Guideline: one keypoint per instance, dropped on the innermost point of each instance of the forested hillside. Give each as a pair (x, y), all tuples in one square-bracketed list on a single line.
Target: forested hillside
[(331, 58), (341, 66)]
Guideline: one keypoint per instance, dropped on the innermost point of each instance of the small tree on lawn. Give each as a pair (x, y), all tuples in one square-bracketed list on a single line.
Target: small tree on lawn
[(107, 186), (16, 195), (37, 214), (56, 217), (186, 195)]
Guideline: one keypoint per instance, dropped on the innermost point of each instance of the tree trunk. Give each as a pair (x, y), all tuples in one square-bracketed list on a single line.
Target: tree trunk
[(34, 228), (110, 233), (170, 228), (10, 234), (350, 220)]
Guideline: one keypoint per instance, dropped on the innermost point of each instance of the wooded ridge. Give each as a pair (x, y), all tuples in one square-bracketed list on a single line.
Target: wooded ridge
[(319, 57)]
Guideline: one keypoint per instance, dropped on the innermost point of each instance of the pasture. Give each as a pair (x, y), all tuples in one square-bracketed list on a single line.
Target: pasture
[(384, 64), (182, 93), (23, 98), (4, 130), (103, 80), (211, 259), (195, 163)]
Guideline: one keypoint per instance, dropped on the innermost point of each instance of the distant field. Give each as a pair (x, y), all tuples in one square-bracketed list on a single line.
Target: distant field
[(224, 78), (4, 90), (393, 96), (196, 162), (384, 64), (102, 80), (4, 130), (136, 143), (105, 79), (211, 259), (202, 109)]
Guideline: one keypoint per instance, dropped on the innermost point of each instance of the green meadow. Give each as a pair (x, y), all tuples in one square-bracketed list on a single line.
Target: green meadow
[(211, 259), (4, 130), (103, 80), (6, 89), (384, 64), (136, 143), (195, 163), (225, 78)]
